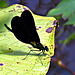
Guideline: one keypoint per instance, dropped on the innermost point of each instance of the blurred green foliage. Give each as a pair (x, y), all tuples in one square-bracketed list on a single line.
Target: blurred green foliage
[(3, 4), (66, 8)]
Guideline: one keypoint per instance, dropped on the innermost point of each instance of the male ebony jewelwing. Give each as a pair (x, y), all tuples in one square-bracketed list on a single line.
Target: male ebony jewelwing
[(24, 30)]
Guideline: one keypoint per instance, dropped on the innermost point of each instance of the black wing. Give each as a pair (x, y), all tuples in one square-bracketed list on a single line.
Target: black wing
[(30, 24), (20, 30), (24, 28)]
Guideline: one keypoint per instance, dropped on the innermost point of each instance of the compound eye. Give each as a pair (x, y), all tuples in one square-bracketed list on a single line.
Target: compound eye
[(46, 48)]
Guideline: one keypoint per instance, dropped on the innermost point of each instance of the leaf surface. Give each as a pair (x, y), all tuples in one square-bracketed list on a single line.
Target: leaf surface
[(12, 51)]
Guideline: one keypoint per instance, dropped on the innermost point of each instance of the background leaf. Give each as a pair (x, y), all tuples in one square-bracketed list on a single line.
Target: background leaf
[(12, 51), (67, 9), (3, 3)]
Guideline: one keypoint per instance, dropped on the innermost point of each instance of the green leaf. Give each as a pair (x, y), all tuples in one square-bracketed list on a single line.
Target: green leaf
[(12, 51), (3, 4), (67, 9), (71, 20)]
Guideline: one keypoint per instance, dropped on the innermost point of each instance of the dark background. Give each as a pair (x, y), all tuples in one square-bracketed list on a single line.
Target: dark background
[(66, 54)]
